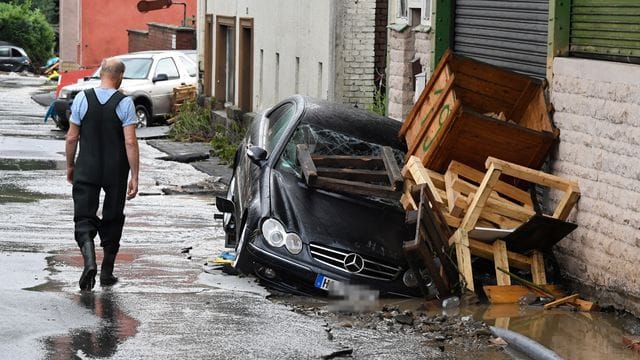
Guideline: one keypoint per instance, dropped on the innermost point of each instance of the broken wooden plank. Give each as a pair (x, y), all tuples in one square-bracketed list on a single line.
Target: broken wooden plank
[(356, 188), (419, 174), (513, 293), (344, 161), (558, 302), (393, 171), (306, 163), (485, 251), (475, 209), (363, 175), (585, 305), (534, 176), (537, 268)]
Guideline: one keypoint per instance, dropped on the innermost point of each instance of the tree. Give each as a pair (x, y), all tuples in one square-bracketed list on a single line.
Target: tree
[(28, 29), (49, 8)]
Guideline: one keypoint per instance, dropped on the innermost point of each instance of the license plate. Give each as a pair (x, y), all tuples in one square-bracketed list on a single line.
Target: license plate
[(323, 282)]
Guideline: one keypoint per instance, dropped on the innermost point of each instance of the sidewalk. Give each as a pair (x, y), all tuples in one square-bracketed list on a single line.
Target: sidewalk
[(220, 174)]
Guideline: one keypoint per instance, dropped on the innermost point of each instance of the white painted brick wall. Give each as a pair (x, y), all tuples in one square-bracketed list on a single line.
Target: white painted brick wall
[(358, 58), (597, 109)]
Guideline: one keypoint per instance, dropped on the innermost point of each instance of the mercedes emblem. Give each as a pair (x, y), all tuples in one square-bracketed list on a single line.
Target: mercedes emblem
[(353, 263)]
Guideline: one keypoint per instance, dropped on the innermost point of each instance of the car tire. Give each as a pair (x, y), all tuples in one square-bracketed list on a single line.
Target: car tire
[(229, 219), (142, 115), (18, 68), (242, 262)]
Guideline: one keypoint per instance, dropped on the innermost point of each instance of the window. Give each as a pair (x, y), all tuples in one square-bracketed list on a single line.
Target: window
[(426, 12), (192, 70), (4, 52), (15, 53), (167, 66), (403, 9), (278, 121)]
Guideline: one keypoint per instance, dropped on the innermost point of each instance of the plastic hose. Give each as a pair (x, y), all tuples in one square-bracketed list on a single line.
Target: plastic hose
[(530, 347)]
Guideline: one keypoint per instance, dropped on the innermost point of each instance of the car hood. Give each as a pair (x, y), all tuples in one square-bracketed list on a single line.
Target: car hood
[(356, 224), (127, 85)]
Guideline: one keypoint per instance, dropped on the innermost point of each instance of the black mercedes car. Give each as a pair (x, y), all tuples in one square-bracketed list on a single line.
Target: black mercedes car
[(305, 240)]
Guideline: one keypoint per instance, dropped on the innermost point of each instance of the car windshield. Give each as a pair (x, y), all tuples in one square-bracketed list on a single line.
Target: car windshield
[(135, 68), (327, 142)]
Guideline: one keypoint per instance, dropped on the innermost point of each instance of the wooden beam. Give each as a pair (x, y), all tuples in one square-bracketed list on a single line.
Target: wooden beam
[(567, 203), (564, 300), (500, 260), (463, 256), (418, 173), (475, 209), (503, 188), (393, 171), (338, 161), (306, 163), (485, 250), (537, 268), (356, 188), (361, 175), (534, 176)]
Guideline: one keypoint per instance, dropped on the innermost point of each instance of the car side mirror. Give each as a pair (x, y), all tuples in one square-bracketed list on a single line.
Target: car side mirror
[(257, 155), (160, 77), (225, 205)]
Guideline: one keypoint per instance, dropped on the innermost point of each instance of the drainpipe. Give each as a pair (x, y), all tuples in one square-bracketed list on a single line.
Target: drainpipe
[(184, 11)]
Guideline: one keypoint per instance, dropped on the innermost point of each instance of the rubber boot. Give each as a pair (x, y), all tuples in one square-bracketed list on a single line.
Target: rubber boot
[(106, 270), (88, 277)]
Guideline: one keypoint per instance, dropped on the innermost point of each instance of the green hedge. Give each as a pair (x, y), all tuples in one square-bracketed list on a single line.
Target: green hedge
[(28, 29)]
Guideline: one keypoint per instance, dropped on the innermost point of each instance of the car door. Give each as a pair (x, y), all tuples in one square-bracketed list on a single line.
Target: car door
[(5, 59), (163, 89), (269, 131)]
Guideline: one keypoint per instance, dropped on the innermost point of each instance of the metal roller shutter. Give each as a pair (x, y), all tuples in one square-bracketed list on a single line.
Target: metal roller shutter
[(511, 34), (606, 29)]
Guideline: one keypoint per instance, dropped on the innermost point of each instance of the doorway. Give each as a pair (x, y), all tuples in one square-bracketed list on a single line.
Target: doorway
[(208, 56), (225, 60), (245, 75)]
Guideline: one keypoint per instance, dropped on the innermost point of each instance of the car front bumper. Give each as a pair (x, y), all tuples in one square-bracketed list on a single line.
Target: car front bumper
[(299, 274)]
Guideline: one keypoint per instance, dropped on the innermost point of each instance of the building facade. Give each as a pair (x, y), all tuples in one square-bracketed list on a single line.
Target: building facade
[(93, 30), (589, 52), (255, 53)]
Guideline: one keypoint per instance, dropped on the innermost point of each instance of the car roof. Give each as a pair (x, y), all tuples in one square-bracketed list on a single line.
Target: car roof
[(348, 119), (150, 53)]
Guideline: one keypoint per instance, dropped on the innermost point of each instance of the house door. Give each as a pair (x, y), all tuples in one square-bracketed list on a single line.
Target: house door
[(225, 61), (245, 75), (208, 56)]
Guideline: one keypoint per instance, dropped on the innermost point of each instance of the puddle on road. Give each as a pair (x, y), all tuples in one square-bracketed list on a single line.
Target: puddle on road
[(573, 335), (114, 328), (10, 193), (31, 165)]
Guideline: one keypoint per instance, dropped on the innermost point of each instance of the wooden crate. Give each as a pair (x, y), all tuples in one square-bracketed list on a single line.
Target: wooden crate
[(449, 123), (182, 94)]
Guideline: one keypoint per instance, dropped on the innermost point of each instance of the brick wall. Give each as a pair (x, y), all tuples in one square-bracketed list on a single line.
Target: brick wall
[(380, 43), (404, 47), (400, 76), (597, 109), (161, 37), (356, 52)]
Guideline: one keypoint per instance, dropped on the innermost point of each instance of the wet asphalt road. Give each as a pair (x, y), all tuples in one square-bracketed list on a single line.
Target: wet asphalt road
[(165, 306)]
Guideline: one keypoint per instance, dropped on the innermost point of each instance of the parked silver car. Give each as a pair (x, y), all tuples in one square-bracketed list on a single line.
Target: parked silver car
[(149, 79)]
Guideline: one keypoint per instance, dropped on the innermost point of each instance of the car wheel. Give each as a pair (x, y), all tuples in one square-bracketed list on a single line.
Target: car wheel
[(242, 262), (18, 68), (228, 220), (142, 114)]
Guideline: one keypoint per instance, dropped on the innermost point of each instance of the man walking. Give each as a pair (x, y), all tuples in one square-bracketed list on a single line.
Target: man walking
[(103, 121)]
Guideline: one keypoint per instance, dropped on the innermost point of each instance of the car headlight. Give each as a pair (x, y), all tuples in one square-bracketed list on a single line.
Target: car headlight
[(276, 236)]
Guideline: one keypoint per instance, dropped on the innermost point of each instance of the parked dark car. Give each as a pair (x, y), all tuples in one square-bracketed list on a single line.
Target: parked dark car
[(13, 58), (301, 239)]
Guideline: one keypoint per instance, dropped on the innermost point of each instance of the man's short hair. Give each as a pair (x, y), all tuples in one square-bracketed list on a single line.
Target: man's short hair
[(111, 66)]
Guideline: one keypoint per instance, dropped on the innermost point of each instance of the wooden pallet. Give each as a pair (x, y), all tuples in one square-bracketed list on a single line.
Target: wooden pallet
[(465, 245), (182, 94), (429, 248), (377, 176)]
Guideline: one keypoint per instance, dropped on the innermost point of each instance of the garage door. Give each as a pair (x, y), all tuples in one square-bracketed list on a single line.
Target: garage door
[(607, 29), (511, 34)]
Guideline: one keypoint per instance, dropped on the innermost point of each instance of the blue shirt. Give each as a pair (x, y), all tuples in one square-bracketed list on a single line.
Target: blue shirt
[(126, 111)]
